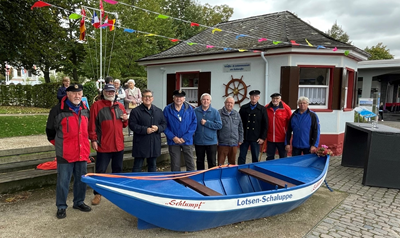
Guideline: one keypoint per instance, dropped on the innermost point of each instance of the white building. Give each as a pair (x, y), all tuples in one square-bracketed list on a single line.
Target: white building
[(326, 76)]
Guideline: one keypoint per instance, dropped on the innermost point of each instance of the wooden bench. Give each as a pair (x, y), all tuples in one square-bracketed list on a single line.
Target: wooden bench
[(198, 187), (267, 178)]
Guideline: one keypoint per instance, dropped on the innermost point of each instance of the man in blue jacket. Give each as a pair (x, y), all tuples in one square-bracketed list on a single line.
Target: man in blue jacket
[(181, 125), (304, 124), (205, 137)]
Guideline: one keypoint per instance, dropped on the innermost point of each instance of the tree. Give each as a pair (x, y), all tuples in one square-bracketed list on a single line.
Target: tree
[(378, 52), (337, 33)]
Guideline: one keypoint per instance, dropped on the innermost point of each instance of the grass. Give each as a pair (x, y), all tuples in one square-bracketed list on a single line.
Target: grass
[(11, 126), (22, 110)]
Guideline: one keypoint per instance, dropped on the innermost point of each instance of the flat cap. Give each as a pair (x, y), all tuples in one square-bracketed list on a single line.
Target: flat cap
[(179, 93), (254, 92), (74, 88), (275, 95)]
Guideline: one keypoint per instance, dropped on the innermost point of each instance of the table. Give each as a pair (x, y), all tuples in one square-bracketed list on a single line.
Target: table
[(375, 150)]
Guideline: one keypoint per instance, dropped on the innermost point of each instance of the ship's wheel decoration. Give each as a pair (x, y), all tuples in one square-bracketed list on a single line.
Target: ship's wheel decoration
[(237, 89)]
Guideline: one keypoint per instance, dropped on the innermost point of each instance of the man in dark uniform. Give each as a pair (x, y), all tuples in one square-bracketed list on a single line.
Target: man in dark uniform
[(255, 126)]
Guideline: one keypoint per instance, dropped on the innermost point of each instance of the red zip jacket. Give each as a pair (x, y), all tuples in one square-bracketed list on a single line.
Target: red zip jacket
[(106, 125), (68, 131), (278, 121)]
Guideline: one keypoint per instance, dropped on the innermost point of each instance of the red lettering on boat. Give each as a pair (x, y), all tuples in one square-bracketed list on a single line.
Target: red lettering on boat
[(182, 203)]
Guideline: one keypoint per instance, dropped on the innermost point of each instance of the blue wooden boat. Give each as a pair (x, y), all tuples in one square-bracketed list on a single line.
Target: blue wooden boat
[(214, 197)]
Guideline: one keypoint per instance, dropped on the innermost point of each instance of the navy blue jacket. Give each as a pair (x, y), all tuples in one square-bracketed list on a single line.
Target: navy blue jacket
[(305, 129)]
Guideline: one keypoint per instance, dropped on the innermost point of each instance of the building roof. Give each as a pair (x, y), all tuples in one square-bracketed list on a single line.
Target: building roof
[(281, 26)]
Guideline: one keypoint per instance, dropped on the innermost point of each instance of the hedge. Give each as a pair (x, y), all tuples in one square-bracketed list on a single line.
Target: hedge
[(40, 95), (45, 95)]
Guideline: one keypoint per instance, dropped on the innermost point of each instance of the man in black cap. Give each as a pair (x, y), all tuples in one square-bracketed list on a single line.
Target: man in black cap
[(107, 118), (255, 126), (278, 118), (181, 125), (67, 129)]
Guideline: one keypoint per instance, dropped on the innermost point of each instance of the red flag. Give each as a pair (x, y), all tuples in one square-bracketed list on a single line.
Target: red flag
[(40, 4), (101, 8), (194, 24), (82, 27), (174, 40), (112, 22), (294, 42)]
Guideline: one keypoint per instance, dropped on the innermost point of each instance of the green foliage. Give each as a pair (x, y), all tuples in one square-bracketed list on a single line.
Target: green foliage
[(90, 91), (140, 82), (337, 33), (379, 52), (40, 95), (11, 126)]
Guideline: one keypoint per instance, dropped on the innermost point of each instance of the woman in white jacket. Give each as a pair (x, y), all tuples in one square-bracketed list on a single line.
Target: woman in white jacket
[(133, 98)]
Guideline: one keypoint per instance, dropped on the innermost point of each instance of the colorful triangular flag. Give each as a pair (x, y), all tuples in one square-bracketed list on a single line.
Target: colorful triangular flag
[(74, 16), (40, 4), (309, 44), (162, 16), (111, 1), (347, 52), (112, 22), (129, 30), (82, 28), (194, 24), (215, 29)]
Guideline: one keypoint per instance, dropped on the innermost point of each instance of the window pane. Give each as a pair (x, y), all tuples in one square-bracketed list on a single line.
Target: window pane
[(317, 95), (190, 80), (314, 76)]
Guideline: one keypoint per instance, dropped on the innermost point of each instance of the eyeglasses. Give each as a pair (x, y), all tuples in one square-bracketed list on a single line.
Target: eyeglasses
[(147, 96)]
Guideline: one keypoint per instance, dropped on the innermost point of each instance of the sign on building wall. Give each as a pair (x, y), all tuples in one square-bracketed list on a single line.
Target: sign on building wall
[(228, 68)]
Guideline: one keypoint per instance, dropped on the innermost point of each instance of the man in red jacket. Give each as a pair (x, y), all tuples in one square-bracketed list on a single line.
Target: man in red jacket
[(67, 130), (107, 118), (278, 118)]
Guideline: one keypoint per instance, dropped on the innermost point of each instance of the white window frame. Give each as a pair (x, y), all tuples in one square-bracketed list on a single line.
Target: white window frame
[(189, 91), (326, 87)]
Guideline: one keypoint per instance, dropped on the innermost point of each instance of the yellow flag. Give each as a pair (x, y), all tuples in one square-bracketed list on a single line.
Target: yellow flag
[(216, 29), (308, 43)]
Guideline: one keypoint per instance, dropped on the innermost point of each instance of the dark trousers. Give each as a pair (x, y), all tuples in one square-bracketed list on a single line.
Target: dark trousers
[(64, 174), (254, 148), (297, 151), (103, 159), (272, 147), (201, 151), (151, 164)]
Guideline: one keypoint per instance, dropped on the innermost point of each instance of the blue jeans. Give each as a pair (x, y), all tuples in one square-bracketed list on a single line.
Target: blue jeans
[(254, 148), (271, 149), (138, 164), (64, 173), (103, 159), (297, 151)]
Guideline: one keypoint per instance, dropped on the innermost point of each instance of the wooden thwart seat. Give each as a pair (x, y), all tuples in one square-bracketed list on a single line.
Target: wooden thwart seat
[(266, 178), (198, 187)]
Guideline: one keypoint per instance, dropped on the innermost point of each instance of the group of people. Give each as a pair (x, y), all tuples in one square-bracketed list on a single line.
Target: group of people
[(209, 131)]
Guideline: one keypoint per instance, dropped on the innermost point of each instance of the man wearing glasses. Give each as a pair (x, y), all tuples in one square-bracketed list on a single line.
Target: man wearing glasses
[(147, 123), (304, 124)]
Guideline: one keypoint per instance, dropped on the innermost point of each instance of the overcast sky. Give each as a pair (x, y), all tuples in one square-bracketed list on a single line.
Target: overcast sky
[(367, 22)]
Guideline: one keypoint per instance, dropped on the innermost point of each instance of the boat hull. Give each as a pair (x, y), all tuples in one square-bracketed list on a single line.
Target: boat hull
[(193, 213)]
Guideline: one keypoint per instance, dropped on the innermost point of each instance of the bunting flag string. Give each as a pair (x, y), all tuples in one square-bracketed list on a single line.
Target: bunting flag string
[(111, 25)]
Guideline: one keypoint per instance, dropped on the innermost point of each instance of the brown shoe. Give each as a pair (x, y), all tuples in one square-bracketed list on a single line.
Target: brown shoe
[(96, 200)]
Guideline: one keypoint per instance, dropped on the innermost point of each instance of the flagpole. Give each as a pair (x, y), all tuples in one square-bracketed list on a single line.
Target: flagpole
[(101, 51)]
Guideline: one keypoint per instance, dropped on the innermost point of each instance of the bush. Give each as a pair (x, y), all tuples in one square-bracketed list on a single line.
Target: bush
[(90, 91)]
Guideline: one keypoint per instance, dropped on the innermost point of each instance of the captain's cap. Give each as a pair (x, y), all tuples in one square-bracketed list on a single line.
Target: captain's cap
[(254, 92), (74, 88), (179, 93), (109, 87), (275, 95)]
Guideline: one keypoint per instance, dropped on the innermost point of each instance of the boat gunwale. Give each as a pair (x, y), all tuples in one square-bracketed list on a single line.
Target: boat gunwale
[(208, 198)]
